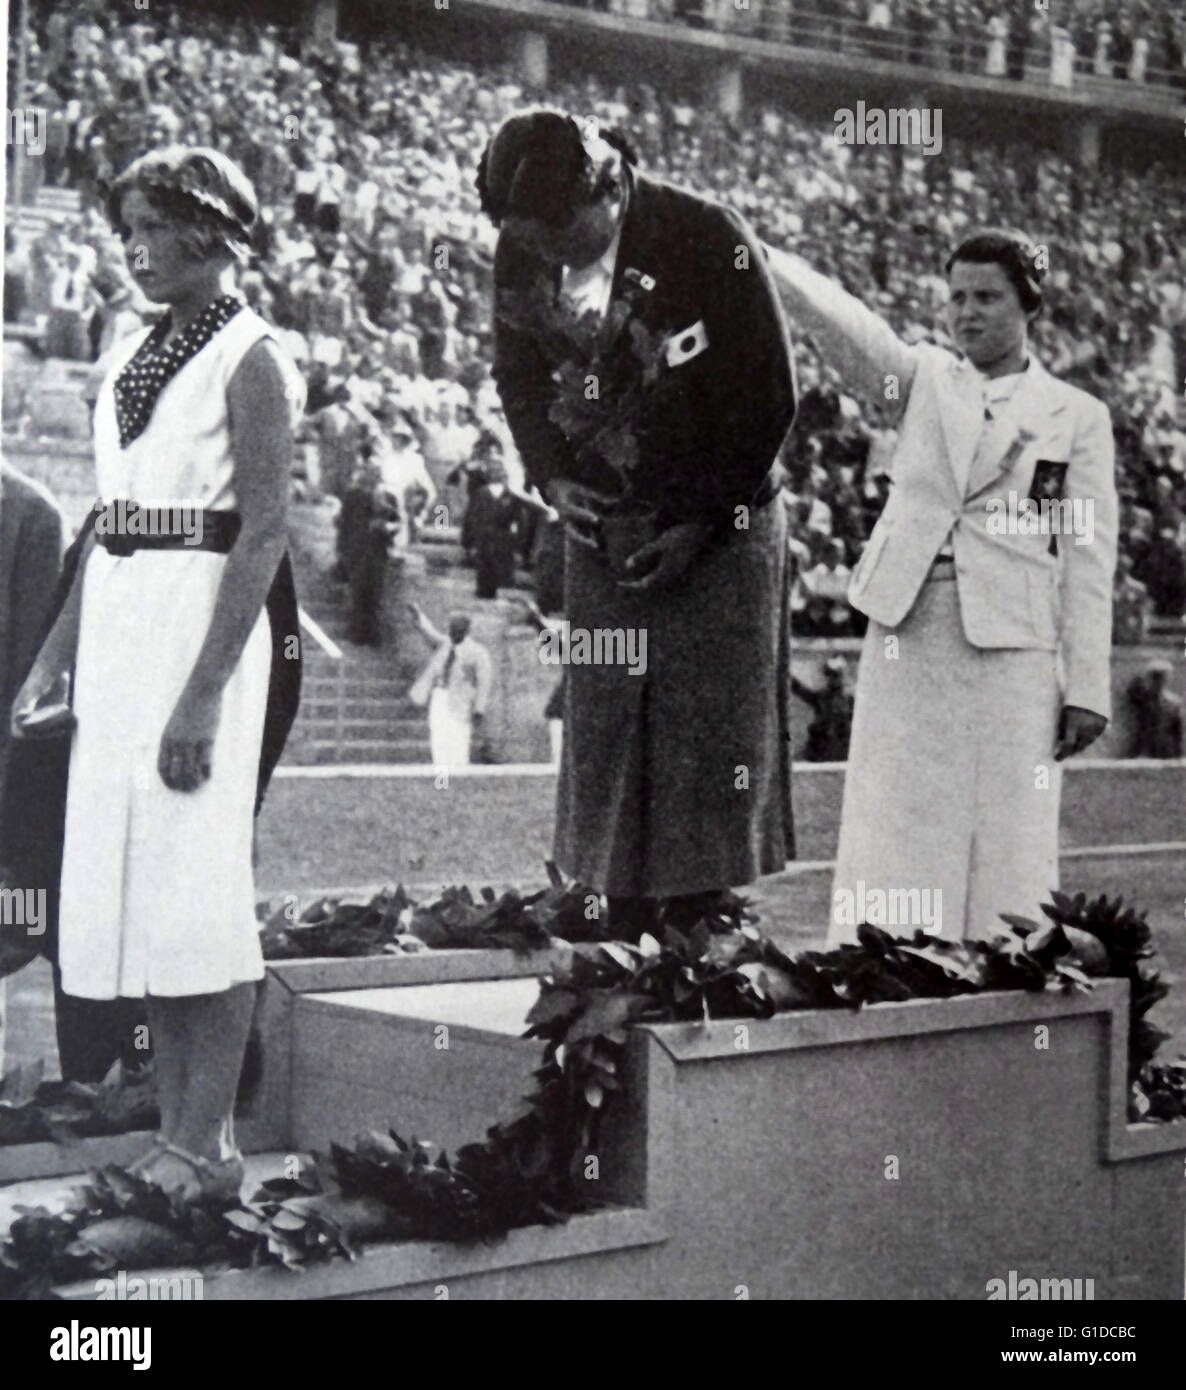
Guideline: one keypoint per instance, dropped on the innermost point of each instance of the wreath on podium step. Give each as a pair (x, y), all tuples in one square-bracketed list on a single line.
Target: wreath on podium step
[(392, 922), (534, 1168)]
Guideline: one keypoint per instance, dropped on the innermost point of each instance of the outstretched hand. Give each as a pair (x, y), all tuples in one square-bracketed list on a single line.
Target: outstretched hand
[(579, 509)]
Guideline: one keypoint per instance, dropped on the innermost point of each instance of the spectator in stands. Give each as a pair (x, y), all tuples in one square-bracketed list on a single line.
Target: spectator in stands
[(998, 36), (1102, 63), (492, 526), (369, 523), (1157, 713), (826, 586), (71, 304), (16, 278), (1020, 16), (402, 468), (1162, 570), (1130, 605), (339, 435), (449, 441), (880, 22), (409, 124)]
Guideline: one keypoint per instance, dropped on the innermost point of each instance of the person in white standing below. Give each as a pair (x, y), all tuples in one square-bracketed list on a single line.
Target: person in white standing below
[(455, 685), (987, 657), (173, 655)]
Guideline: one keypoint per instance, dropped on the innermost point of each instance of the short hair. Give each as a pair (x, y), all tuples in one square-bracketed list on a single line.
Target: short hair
[(1013, 252), (208, 196), (539, 166)]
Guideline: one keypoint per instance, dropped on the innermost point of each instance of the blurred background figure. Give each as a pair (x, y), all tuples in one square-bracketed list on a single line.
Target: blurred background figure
[(1157, 713), (455, 685), (492, 528), (831, 724), (1130, 605)]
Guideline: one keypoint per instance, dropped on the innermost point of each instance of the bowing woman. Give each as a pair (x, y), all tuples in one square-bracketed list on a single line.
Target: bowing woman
[(674, 782), (175, 668), (986, 662)]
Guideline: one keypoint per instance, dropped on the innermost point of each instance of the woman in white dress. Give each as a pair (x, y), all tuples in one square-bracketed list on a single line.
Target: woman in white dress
[(173, 656), (987, 658)]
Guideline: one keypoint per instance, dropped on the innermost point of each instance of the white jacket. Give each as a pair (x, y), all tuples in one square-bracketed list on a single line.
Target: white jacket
[(467, 690), (1013, 592)]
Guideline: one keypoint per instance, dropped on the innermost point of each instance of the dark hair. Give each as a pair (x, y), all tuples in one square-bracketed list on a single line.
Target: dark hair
[(1013, 252), (200, 189), (536, 166)]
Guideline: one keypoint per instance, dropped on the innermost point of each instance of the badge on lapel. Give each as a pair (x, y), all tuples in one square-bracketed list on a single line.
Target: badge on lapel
[(635, 277), (1048, 482), (1048, 485), (688, 343)]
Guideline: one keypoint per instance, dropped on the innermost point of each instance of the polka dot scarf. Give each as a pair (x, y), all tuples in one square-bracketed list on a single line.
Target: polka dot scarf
[(138, 387)]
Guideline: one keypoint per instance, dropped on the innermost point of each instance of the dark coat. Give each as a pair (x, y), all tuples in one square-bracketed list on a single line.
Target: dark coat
[(490, 523), (32, 542), (649, 801), (722, 414)]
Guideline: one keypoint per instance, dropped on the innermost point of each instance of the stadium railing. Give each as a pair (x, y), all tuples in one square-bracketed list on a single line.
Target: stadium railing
[(784, 22)]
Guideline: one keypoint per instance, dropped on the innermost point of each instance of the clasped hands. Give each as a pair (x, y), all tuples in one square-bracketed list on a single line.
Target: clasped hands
[(668, 555)]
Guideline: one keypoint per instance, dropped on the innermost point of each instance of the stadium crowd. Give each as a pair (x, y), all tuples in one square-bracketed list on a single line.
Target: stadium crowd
[(1132, 40), (374, 260)]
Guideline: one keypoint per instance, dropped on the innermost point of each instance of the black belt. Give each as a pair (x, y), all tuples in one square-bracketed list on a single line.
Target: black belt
[(123, 527)]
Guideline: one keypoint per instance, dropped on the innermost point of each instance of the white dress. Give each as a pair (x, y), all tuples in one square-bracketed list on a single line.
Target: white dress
[(157, 887)]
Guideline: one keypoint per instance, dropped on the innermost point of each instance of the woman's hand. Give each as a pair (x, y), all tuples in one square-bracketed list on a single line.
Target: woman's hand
[(1077, 729), (578, 508), (674, 549), (187, 745), (42, 687)]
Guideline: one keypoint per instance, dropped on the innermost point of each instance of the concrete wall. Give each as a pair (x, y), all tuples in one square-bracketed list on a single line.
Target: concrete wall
[(916, 1150), (327, 1068)]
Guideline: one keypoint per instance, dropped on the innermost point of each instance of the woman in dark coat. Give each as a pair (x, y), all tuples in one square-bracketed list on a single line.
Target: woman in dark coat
[(674, 778)]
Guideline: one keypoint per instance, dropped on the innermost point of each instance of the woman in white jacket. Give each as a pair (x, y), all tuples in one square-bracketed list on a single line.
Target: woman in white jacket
[(987, 656)]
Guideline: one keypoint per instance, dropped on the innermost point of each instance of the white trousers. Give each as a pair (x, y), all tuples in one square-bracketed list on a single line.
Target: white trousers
[(448, 731)]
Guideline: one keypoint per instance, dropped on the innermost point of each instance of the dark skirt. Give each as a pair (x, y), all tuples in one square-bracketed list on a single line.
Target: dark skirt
[(679, 780)]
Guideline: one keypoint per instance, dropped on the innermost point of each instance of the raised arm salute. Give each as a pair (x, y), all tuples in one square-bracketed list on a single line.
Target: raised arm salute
[(987, 581), (862, 347)]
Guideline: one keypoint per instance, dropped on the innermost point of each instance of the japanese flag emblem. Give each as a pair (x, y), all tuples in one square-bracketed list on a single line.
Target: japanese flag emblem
[(688, 343)]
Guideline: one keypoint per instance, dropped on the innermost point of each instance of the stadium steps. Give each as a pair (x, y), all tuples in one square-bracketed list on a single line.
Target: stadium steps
[(354, 709)]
